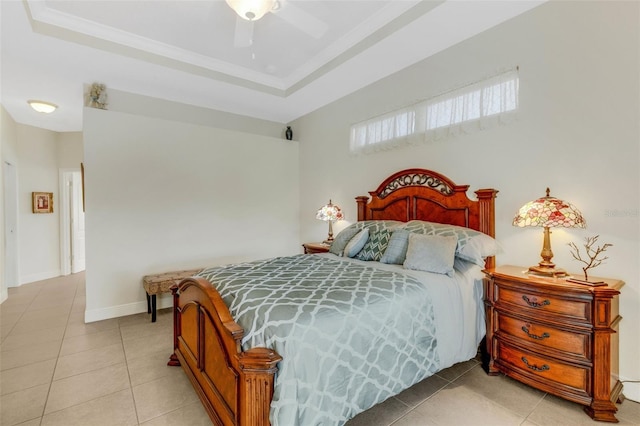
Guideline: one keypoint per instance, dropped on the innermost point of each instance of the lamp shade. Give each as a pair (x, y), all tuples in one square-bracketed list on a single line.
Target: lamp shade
[(329, 213), (251, 10), (549, 212)]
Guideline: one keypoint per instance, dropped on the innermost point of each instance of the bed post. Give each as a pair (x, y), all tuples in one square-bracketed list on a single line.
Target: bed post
[(362, 207), (173, 359), (258, 367), (487, 216)]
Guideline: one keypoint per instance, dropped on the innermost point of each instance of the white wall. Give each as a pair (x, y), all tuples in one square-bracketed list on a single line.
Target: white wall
[(164, 195), (577, 132)]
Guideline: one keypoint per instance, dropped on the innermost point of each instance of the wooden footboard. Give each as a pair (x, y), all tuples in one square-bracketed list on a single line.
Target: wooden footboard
[(235, 387)]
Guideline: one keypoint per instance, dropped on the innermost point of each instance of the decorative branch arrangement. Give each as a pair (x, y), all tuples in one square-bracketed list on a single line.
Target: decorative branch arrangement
[(97, 96), (590, 252)]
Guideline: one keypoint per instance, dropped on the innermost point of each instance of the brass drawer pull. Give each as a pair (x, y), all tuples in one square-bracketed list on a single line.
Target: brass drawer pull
[(534, 367), (545, 335), (535, 304)]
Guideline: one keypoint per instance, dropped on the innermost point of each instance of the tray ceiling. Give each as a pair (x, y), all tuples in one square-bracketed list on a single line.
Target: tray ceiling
[(294, 60)]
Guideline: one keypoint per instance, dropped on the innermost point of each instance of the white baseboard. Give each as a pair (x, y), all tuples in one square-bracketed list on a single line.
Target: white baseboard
[(162, 301), (39, 277)]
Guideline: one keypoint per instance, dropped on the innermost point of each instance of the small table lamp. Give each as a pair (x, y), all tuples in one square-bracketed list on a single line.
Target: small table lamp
[(548, 212), (329, 213)]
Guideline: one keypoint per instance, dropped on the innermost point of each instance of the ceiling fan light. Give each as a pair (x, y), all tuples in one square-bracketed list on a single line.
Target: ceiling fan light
[(43, 107), (251, 10)]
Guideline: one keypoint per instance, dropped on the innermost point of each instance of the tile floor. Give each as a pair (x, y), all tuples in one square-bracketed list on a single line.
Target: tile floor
[(57, 370)]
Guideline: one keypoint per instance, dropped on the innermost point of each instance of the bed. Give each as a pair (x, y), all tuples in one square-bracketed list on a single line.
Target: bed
[(327, 336)]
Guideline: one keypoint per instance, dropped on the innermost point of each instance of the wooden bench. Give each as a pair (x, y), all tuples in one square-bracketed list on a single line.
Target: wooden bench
[(161, 283)]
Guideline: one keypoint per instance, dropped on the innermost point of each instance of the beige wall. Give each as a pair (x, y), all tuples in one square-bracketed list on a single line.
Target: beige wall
[(164, 195), (38, 234), (70, 150), (577, 132)]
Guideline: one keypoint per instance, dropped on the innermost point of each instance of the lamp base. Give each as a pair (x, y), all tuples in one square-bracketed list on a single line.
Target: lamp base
[(328, 241), (547, 271)]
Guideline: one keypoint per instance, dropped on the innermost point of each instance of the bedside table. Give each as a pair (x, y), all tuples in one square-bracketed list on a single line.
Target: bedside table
[(310, 248), (557, 336)]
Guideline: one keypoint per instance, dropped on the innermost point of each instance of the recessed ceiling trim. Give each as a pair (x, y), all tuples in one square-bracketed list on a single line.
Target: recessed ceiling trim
[(40, 13), (361, 42), (344, 46), (56, 23)]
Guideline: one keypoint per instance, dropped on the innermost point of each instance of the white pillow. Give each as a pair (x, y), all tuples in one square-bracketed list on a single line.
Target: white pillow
[(431, 253), (356, 243)]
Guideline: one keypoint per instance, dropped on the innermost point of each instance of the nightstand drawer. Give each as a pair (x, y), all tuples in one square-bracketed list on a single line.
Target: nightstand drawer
[(543, 335), (534, 303), (544, 369)]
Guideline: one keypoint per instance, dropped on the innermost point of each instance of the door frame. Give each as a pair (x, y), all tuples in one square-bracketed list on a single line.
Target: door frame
[(66, 177), (66, 212)]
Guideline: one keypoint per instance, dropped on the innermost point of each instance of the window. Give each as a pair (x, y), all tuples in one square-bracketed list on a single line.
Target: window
[(386, 129), (469, 108)]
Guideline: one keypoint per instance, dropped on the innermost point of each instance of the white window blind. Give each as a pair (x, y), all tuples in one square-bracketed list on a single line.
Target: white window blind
[(473, 107)]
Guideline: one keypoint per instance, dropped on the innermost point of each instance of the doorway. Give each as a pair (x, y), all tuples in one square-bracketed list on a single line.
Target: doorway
[(72, 232)]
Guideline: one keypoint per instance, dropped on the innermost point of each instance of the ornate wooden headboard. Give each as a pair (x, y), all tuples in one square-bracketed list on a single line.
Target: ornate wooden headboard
[(420, 194)]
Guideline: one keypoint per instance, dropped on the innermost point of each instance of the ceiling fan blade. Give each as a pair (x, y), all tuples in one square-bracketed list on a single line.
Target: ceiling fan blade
[(300, 19), (243, 33)]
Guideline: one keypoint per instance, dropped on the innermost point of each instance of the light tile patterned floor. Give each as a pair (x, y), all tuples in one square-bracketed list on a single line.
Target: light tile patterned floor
[(57, 370)]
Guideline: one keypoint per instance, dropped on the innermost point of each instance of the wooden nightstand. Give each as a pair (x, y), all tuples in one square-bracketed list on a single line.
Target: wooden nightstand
[(556, 336), (310, 248)]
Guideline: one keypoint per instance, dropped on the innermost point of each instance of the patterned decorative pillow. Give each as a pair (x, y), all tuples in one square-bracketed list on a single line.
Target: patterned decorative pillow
[(378, 225), (356, 243), (341, 240), (375, 246), (431, 253), (472, 246), (396, 251)]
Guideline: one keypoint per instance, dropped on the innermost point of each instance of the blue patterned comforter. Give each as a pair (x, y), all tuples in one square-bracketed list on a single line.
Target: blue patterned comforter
[(350, 335)]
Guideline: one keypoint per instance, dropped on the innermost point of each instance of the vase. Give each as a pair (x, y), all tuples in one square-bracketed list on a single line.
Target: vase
[(288, 133)]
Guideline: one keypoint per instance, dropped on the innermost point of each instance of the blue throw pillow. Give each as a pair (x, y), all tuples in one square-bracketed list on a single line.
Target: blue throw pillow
[(397, 249), (431, 253), (341, 240), (356, 243)]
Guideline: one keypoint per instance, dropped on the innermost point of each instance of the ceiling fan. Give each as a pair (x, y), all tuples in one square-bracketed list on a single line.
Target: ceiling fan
[(249, 11)]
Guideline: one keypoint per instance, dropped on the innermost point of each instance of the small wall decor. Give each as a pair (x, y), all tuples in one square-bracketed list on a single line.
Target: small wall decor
[(288, 133), (592, 254), (42, 202), (97, 96)]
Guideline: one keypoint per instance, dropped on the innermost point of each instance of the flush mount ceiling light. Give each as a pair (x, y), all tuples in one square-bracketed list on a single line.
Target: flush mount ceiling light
[(251, 10), (43, 107)]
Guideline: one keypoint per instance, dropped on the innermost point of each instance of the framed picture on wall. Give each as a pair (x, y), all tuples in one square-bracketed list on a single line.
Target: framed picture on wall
[(42, 202)]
